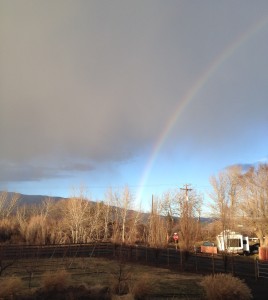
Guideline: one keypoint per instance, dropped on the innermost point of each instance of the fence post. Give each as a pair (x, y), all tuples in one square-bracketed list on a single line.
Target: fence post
[(195, 261), (181, 258), (233, 270), (213, 264), (114, 250), (256, 267)]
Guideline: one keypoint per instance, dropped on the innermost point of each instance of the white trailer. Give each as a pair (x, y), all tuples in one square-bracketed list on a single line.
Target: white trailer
[(233, 242)]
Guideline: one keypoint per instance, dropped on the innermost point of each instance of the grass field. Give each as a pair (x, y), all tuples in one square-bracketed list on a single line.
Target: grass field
[(101, 274)]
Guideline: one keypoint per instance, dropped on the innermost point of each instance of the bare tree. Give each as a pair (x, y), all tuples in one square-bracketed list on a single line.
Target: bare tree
[(106, 209), (255, 201), (121, 204), (76, 212), (8, 203), (189, 213), (33, 223), (157, 229), (97, 221), (126, 201), (133, 226), (170, 210), (174, 212), (114, 223), (226, 196)]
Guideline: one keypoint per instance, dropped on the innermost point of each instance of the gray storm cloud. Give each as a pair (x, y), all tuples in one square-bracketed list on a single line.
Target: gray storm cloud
[(83, 83)]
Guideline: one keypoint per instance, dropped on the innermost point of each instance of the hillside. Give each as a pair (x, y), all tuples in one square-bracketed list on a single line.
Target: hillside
[(32, 199), (38, 199)]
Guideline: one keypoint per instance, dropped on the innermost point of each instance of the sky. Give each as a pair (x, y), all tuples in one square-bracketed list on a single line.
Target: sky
[(148, 94)]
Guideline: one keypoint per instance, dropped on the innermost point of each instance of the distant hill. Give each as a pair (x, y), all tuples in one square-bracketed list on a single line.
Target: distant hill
[(32, 199), (38, 199)]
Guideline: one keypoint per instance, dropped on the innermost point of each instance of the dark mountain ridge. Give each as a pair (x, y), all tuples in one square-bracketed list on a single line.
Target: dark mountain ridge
[(31, 199), (25, 199)]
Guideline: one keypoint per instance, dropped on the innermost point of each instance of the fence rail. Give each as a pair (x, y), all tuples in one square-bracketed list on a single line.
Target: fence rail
[(262, 269), (162, 257)]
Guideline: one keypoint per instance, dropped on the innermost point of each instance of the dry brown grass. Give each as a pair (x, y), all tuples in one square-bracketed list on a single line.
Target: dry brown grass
[(95, 277), (99, 292), (123, 297), (142, 287), (10, 286), (225, 287), (57, 281)]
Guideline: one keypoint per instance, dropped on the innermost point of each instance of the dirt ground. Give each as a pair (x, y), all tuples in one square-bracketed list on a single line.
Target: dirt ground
[(259, 288)]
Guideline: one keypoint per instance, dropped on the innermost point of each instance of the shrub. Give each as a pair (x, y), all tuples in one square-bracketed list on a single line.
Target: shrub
[(120, 280), (99, 292), (142, 288), (123, 297), (10, 286), (120, 287), (225, 287), (8, 230), (57, 281)]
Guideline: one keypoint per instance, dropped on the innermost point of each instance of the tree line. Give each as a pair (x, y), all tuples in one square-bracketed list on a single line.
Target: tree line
[(78, 220), (239, 201)]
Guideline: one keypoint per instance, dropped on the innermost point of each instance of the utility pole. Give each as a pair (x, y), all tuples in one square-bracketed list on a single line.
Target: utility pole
[(152, 224), (152, 211), (186, 189), (185, 218)]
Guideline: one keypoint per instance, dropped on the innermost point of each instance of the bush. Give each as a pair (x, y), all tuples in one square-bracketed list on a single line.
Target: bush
[(142, 288), (99, 292), (225, 287), (10, 286), (123, 297), (120, 280), (57, 281)]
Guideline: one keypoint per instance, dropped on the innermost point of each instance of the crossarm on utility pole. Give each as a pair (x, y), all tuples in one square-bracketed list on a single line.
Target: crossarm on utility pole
[(186, 189)]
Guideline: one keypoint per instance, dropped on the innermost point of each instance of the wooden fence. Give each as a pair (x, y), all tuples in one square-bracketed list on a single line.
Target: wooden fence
[(262, 269), (162, 257)]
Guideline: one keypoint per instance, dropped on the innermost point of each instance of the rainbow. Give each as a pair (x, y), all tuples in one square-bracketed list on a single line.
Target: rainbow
[(190, 95)]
